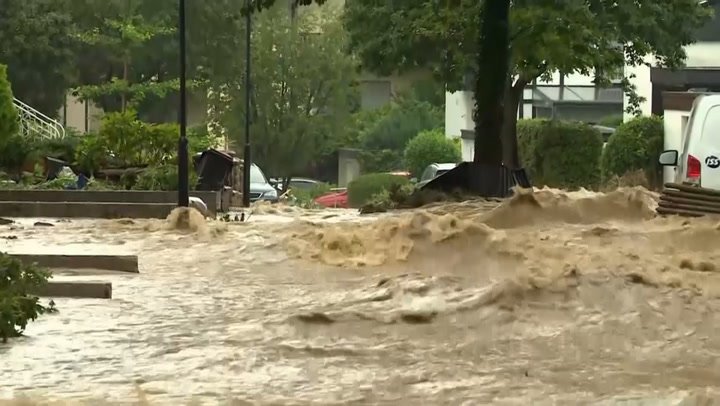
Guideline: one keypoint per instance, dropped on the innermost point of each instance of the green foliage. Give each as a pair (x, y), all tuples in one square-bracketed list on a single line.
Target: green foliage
[(362, 189), (9, 126), (13, 148), (383, 133), (384, 160), (430, 147), (430, 91), (91, 154), (19, 304), (612, 121), (547, 36), (303, 92), (306, 197), (123, 36), (59, 148), (401, 122), (163, 177), (559, 153), (635, 145), (124, 141), (38, 48)]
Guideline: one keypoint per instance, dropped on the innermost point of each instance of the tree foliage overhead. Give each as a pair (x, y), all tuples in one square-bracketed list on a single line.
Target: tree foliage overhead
[(592, 37), (302, 89), (36, 45), (546, 35)]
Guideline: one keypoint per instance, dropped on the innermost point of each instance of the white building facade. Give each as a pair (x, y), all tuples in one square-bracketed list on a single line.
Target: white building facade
[(571, 97)]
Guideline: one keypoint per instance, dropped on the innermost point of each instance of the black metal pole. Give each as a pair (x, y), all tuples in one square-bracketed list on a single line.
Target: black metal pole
[(247, 159), (183, 161)]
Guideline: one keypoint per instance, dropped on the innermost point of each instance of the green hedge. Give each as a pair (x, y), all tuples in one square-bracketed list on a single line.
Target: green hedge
[(9, 126), (362, 189), (560, 154), (634, 146), (429, 147)]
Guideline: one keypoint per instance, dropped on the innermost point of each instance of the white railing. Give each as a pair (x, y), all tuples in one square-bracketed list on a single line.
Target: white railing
[(34, 124)]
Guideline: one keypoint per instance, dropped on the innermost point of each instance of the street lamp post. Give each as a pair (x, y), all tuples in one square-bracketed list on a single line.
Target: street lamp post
[(183, 161), (247, 159)]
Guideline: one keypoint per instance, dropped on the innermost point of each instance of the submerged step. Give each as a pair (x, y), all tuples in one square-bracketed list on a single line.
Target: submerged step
[(84, 290), (120, 263), (103, 210)]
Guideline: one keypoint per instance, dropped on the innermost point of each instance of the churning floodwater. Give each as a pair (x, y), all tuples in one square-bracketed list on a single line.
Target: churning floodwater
[(547, 298)]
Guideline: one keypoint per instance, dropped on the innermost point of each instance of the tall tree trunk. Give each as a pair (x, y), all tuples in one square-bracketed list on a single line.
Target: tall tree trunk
[(493, 65), (513, 96)]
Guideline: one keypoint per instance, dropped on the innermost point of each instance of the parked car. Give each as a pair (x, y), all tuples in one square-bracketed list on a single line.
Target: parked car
[(295, 183), (433, 171), (260, 187)]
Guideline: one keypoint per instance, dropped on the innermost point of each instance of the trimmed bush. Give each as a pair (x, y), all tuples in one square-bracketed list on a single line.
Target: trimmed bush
[(362, 189), (430, 147), (560, 154), (634, 146)]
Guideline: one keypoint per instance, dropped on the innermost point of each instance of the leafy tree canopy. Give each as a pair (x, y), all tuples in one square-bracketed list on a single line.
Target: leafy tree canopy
[(36, 45), (547, 35), (303, 90)]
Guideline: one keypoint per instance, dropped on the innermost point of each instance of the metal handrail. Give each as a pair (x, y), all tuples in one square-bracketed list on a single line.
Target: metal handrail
[(34, 121)]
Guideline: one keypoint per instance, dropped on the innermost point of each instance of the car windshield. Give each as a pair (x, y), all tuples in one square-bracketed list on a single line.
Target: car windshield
[(256, 175), (440, 172)]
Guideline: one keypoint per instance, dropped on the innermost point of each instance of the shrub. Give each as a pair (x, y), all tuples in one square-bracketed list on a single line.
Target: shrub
[(91, 154), (124, 141), (397, 124), (135, 143), (362, 189), (560, 153), (9, 126), (429, 147), (306, 197), (18, 302), (163, 177), (635, 145), (63, 148), (612, 121), (384, 160), (13, 149)]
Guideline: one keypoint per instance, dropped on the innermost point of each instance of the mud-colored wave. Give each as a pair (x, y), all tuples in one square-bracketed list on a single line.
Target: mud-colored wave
[(472, 226)]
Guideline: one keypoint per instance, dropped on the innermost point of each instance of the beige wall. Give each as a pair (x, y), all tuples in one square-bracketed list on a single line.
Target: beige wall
[(73, 115)]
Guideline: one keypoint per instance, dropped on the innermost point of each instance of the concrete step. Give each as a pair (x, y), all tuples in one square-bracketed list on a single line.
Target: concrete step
[(211, 199), (85, 290), (117, 263), (103, 210)]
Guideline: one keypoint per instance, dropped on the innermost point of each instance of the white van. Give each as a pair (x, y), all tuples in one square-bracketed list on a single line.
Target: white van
[(699, 161)]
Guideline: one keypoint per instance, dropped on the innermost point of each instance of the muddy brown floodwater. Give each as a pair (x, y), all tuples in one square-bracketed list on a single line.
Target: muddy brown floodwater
[(549, 298)]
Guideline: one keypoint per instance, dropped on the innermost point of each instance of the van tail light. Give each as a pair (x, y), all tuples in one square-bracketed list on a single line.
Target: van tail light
[(693, 168)]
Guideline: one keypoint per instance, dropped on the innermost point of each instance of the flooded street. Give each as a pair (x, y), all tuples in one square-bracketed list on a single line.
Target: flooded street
[(550, 298)]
